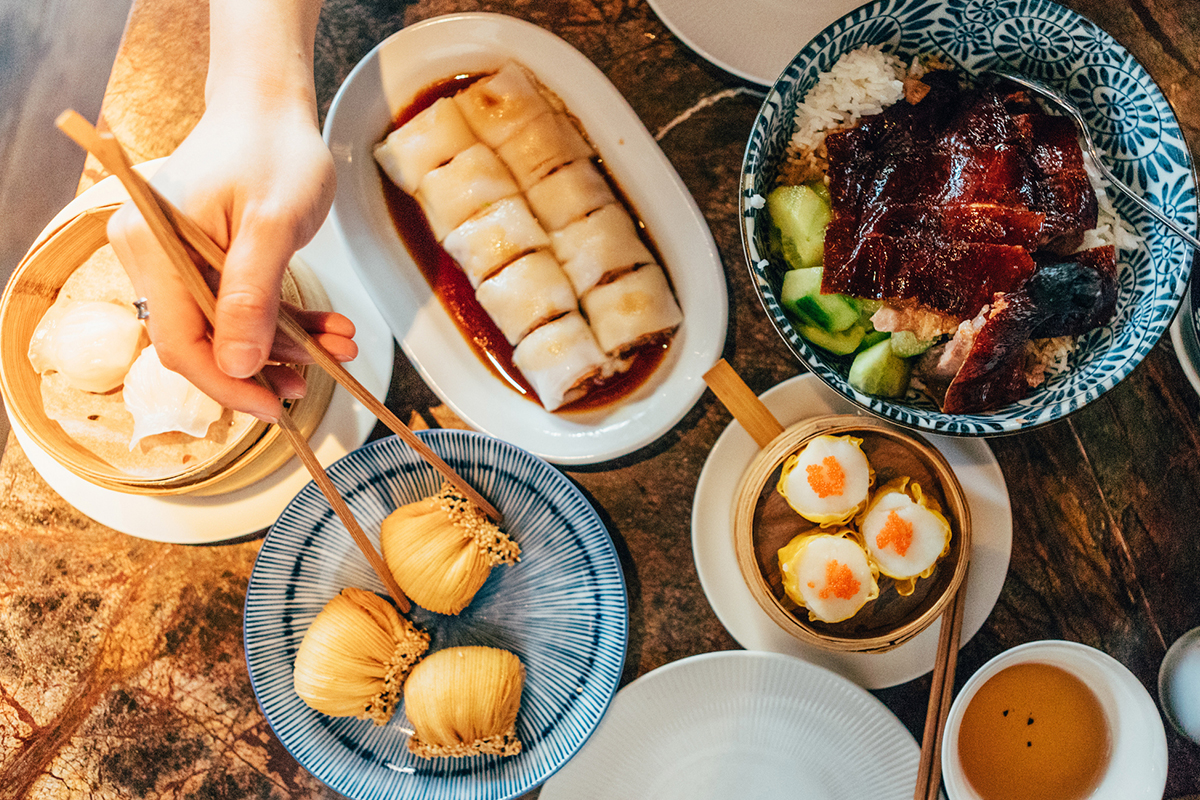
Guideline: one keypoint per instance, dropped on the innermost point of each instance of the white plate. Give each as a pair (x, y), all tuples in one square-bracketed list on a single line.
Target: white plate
[(753, 39), (712, 541), (742, 724), (385, 82), (1187, 350), (346, 425)]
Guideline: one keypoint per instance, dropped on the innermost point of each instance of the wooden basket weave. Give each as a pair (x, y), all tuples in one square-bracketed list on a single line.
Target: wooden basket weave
[(763, 523), (252, 456)]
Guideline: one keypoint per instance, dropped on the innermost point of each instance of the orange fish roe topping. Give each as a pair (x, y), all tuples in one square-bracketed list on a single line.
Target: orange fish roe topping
[(826, 478), (897, 533), (839, 581)]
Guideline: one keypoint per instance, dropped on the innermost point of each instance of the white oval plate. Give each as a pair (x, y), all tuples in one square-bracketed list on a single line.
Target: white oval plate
[(742, 724), (753, 39), (712, 541), (386, 81), (345, 426)]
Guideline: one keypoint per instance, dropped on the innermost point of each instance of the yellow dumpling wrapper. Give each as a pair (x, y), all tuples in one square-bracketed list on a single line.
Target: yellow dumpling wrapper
[(890, 539), (828, 573), (463, 701), (828, 481), (441, 550), (355, 656)]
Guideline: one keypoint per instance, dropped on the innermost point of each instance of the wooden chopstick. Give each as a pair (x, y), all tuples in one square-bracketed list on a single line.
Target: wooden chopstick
[(110, 154), (941, 694)]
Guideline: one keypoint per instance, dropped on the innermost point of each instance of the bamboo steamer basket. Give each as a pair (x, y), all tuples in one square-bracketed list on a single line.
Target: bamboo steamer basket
[(764, 522), (247, 458)]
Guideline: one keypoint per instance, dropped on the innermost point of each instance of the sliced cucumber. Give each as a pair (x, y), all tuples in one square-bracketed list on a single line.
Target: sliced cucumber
[(798, 216), (905, 344), (879, 371), (801, 295), (840, 343)]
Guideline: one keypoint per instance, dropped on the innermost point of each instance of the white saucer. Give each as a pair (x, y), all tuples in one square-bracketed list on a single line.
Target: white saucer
[(753, 39), (712, 541), (1187, 350), (742, 724), (346, 425)]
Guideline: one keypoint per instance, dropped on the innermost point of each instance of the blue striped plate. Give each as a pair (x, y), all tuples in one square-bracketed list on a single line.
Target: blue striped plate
[(562, 610)]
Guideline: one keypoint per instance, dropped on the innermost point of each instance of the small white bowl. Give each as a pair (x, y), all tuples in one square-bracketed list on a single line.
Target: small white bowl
[(1138, 766), (1179, 685)]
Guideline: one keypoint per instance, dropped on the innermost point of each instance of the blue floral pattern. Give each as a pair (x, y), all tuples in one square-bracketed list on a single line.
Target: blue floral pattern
[(1129, 119)]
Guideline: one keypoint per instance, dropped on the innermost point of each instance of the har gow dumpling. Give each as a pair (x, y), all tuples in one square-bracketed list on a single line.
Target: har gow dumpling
[(90, 343), (160, 400)]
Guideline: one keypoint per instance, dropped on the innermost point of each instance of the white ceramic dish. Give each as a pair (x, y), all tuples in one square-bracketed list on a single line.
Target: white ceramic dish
[(1138, 767), (742, 724), (1179, 685), (1187, 350), (386, 81), (712, 541), (346, 425), (753, 39)]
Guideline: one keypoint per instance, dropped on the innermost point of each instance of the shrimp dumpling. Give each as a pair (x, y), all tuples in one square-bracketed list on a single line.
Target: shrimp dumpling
[(601, 244), (160, 400), (497, 106), (526, 293), (456, 191), (829, 574), (485, 243), (558, 358), (629, 310), (91, 344), (904, 532), (569, 194), (546, 143), (424, 143), (828, 480)]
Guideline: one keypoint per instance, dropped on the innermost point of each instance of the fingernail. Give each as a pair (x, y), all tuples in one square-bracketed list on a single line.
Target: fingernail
[(294, 394), (271, 418), (239, 360)]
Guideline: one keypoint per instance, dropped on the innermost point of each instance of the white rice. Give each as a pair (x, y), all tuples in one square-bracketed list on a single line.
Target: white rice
[(862, 82), (1111, 228)]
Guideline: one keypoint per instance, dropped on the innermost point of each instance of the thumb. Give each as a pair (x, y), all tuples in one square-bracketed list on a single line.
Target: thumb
[(248, 300)]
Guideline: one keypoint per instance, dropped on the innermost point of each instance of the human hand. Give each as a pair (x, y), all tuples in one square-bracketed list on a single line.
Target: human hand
[(260, 184)]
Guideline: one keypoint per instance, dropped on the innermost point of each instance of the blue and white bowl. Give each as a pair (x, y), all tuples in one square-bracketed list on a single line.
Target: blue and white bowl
[(562, 609), (1129, 119)]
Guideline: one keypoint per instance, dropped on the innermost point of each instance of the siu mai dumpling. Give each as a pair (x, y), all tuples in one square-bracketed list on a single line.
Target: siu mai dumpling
[(558, 358), (485, 243), (827, 482), (904, 533), (602, 243), (456, 191), (498, 106), (829, 574), (525, 294), (424, 143), (627, 311), (542, 146), (569, 194)]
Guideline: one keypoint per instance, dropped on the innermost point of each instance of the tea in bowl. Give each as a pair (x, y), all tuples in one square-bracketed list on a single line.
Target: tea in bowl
[(1053, 719)]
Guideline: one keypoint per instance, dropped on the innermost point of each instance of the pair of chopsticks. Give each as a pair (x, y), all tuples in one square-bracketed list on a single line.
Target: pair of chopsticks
[(172, 229), (929, 771)]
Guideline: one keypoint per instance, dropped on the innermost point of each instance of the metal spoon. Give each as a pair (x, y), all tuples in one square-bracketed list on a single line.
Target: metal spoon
[(1058, 99)]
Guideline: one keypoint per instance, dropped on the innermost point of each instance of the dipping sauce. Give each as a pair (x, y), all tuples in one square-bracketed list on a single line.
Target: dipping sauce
[(1034, 732)]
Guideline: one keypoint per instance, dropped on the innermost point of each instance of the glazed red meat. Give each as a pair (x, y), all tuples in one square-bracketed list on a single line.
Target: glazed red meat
[(942, 203)]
